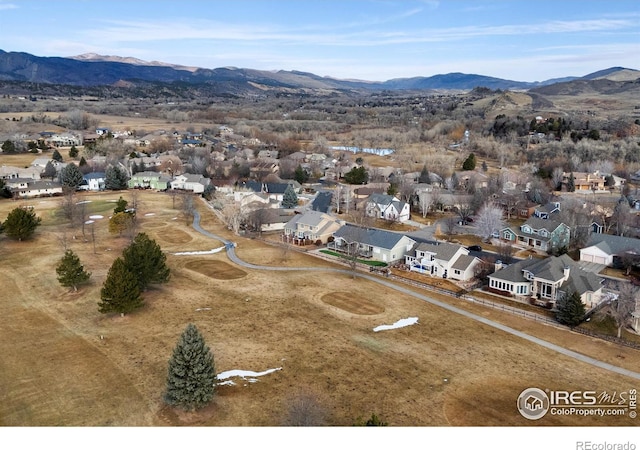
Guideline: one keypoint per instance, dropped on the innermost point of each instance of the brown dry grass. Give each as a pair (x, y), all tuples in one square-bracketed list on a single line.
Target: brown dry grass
[(446, 370)]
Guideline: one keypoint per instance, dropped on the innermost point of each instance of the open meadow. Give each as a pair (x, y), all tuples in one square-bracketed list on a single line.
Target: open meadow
[(65, 364)]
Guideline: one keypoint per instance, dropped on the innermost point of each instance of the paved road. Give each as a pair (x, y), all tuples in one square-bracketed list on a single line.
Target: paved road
[(230, 247)]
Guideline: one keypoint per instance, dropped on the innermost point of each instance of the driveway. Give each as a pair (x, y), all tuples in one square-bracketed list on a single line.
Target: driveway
[(591, 266)]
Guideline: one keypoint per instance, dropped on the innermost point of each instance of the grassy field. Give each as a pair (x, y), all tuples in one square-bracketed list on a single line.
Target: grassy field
[(65, 364)]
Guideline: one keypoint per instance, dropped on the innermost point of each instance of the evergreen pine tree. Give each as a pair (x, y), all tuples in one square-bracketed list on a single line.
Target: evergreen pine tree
[(121, 205), (301, 175), (70, 271), (120, 292), (73, 151), (424, 175), (56, 156), (83, 162), (289, 199), (145, 259), (469, 163), (70, 176), (21, 223), (191, 376), (115, 178), (571, 184), (570, 309), (49, 171)]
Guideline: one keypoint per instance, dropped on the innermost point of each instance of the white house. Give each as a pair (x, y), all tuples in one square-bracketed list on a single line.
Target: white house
[(93, 181), (309, 227), (443, 260), (387, 207), (605, 248), (190, 182), (37, 189), (379, 245)]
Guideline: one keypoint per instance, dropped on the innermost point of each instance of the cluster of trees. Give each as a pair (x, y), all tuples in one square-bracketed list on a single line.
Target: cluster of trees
[(142, 264)]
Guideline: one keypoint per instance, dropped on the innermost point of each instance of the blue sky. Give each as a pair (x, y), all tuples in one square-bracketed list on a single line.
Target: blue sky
[(529, 40)]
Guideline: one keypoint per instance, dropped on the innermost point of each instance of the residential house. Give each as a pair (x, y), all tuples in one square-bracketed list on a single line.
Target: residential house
[(547, 280), (379, 245), (8, 172), (607, 249), (35, 188), (149, 180), (322, 202), (93, 181), (275, 191), (310, 227), (585, 182), (195, 183), (546, 211), (540, 234), (64, 140), (269, 219), (443, 260), (387, 207), (41, 163)]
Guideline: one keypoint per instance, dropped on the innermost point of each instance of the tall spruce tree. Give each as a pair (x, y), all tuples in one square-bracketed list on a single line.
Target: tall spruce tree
[(289, 198), (424, 175), (21, 223), (570, 309), (70, 270), (56, 156), (70, 176), (115, 178), (144, 258), (191, 376), (120, 292), (469, 163)]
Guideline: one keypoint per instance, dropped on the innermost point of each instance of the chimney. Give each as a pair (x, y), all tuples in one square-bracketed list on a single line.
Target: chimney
[(498, 265), (566, 271)]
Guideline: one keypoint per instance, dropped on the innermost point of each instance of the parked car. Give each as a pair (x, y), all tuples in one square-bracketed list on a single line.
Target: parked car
[(474, 248)]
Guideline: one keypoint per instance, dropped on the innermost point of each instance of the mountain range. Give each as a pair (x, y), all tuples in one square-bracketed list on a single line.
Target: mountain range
[(91, 69)]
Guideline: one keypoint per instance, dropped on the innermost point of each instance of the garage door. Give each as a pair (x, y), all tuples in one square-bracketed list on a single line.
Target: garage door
[(599, 260)]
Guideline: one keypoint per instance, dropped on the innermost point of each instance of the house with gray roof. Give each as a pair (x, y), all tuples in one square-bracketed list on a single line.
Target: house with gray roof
[(387, 207), (547, 280), (379, 245), (195, 183), (309, 227), (540, 234), (607, 249), (443, 260)]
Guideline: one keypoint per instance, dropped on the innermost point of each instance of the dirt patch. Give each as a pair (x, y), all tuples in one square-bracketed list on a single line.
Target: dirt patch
[(349, 302), (174, 236), (216, 269)]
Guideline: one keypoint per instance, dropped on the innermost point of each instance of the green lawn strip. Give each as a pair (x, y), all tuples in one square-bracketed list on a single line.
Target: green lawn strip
[(361, 261)]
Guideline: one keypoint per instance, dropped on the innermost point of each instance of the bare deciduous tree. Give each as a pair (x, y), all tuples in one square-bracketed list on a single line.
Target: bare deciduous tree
[(623, 307), (489, 220), (304, 409)]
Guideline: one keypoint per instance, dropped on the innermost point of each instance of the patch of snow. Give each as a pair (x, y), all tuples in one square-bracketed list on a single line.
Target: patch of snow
[(399, 324), (96, 216), (150, 214), (203, 309), (226, 383), (175, 218), (204, 252), (245, 373), (83, 202)]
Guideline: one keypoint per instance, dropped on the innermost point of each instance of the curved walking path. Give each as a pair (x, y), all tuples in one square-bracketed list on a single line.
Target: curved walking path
[(230, 248)]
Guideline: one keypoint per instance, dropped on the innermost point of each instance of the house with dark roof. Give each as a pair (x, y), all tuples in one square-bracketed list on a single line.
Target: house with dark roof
[(443, 260), (387, 207), (379, 245), (93, 181), (275, 191), (309, 227), (547, 280), (540, 234), (607, 249), (547, 211), (322, 202)]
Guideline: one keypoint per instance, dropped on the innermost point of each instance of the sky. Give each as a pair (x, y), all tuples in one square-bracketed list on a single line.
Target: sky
[(374, 40)]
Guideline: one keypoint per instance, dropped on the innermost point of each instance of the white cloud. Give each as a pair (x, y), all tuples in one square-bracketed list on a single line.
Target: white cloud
[(5, 6)]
